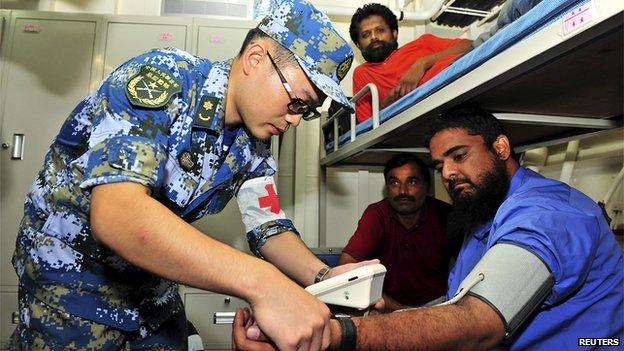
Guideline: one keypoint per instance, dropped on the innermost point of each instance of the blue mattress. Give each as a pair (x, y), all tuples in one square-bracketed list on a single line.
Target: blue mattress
[(542, 14)]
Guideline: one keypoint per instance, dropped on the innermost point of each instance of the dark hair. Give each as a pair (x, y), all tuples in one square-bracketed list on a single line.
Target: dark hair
[(471, 117), (282, 56), (403, 159), (371, 10)]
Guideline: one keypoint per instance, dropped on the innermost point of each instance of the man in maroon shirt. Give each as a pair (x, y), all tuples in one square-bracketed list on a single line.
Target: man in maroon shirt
[(406, 232)]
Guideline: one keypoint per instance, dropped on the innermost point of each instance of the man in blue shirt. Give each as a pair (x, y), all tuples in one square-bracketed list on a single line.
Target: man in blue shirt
[(514, 222), (166, 139)]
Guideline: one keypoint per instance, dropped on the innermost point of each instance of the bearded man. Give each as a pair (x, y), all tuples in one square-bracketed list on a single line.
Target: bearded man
[(395, 71)]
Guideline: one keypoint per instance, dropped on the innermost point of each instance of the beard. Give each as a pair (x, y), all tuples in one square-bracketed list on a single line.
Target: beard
[(378, 53), (473, 208)]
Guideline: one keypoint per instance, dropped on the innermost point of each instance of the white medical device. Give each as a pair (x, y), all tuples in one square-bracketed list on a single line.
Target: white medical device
[(358, 288)]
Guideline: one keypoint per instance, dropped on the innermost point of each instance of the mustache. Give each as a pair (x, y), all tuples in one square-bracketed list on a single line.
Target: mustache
[(379, 51), (453, 182), (404, 197)]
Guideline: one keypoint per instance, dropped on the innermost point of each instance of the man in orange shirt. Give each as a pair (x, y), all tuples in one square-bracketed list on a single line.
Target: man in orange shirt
[(395, 71)]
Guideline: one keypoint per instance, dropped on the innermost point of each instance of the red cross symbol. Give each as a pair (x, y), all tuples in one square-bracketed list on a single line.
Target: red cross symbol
[(270, 200)]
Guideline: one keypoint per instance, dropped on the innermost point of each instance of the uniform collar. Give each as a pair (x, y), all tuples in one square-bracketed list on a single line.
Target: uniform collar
[(516, 180), (483, 230)]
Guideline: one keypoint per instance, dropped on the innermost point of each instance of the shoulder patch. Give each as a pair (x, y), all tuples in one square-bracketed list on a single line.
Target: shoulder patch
[(205, 111), (343, 68), (152, 87)]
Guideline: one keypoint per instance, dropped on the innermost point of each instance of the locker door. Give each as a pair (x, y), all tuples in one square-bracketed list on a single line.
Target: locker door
[(220, 40), (3, 15), (48, 70), (125, 40)]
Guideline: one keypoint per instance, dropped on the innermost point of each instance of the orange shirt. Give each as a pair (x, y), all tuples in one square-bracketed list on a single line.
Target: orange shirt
[(386, 75)]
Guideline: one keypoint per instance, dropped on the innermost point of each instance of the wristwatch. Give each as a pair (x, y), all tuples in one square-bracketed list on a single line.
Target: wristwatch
[(321, 274)]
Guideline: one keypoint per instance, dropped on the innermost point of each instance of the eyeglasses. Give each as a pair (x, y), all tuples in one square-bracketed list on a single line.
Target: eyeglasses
[(296, 106)]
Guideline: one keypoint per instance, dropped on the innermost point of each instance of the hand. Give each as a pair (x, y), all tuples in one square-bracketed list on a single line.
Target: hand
[(349, 267), (246, 335), (389, 99), (391, 304), (379, 306), (290, 316), (409, 80)]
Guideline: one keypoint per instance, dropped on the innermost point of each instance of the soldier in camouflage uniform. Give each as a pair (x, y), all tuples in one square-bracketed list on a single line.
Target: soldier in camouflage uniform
[(166, 139)]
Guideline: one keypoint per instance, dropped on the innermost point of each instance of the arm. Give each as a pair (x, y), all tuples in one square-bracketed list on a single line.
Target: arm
[(417, 70), (291, 255), (141, 230), (469, 325)]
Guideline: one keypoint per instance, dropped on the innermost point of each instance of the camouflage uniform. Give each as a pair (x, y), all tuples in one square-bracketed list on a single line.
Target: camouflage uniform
[(158, 121), (170, 142)]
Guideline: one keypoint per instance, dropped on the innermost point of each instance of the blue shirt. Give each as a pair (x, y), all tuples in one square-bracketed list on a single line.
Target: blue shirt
[(158, 121), (568, 231)]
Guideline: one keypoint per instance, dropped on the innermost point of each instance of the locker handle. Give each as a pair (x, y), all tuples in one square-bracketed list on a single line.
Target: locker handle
[(18, 147)]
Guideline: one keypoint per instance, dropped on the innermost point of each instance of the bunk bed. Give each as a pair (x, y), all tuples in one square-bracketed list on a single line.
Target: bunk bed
[(552, 75)]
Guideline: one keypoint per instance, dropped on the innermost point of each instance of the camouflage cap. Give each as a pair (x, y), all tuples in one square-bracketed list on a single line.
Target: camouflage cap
[(323, 54)]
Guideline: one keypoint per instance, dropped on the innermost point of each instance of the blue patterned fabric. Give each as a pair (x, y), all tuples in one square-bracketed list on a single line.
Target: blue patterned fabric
[(158, 121)]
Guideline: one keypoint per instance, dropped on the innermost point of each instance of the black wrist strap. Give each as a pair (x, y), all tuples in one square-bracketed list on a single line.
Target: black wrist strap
[(348, 338)]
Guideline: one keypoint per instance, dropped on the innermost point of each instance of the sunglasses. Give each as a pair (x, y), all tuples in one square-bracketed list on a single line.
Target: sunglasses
[(296, 106)]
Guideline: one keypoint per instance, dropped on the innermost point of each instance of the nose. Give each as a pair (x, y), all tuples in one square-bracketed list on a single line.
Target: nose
[(403, 188), (449, 172), (293, 120)]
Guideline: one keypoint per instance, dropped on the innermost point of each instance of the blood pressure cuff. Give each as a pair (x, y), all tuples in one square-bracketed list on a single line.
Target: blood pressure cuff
[(261, 212), (515, 283)]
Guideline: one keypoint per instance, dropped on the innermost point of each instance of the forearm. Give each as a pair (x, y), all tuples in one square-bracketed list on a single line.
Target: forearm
[(147, 234), (291, 255), (469, 325), (427, 61)]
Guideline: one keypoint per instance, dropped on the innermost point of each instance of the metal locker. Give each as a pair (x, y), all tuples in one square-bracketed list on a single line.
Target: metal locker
[(129, 36), (219, 40), (42, 84)]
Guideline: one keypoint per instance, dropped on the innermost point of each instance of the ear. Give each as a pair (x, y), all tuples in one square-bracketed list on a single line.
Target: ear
[(395, 34), (253, 56), (502, 147)]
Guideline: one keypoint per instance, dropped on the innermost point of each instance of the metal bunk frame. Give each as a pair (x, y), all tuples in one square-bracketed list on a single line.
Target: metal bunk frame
[(540, 59)]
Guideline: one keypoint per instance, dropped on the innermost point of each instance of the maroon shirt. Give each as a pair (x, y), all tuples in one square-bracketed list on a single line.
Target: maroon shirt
[(416, 259)]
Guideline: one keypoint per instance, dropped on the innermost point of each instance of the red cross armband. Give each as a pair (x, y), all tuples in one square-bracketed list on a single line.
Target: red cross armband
[(259, 203)]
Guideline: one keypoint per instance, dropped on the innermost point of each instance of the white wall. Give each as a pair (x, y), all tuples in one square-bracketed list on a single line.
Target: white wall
[(596, 165)]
